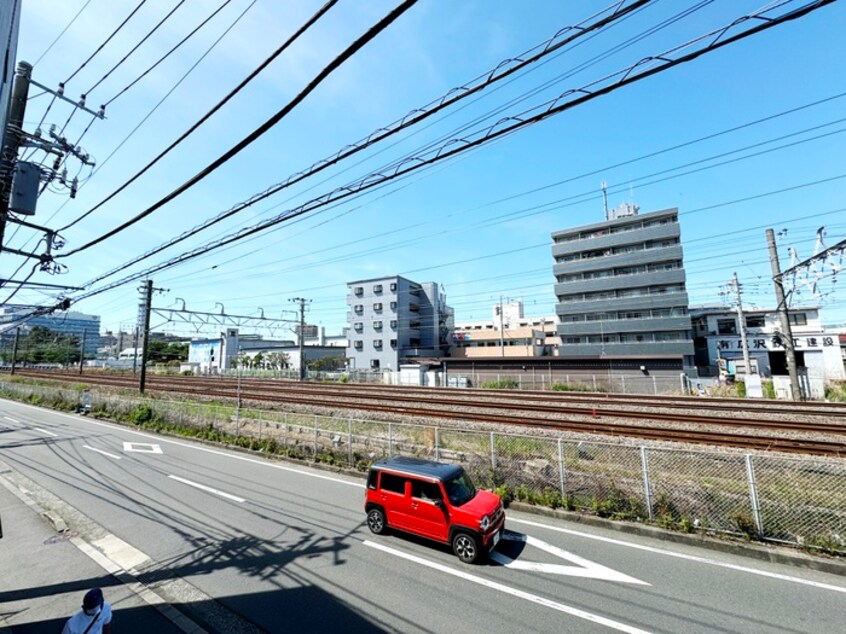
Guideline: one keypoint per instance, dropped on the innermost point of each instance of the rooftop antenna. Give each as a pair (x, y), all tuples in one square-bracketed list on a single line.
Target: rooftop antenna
[(605, 199)]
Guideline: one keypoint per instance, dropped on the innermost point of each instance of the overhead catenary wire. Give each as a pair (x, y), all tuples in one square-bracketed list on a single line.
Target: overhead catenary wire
[(64, 30), (261, 130), (590, 91)]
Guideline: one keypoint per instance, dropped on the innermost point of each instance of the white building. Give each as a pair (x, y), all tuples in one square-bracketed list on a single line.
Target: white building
[(717, 337)]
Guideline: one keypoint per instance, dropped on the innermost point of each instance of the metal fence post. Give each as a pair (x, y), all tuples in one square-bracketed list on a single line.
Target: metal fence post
[(390, 439), (493, 453), (315, 437), (753, 495), (623, 383), (647, 487), (349, 436), (594, 383), (654, 385), (561, 465), (437, 443)]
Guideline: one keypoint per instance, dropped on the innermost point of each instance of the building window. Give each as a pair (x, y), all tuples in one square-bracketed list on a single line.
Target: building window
[(377, 288), (359, 344), (798, 319), (393, 286), (393, 324), (359, 291), (726, 326), (359, 308), (393, 306), (377, 325), (377, 307), (358, 326), (755, 321), (377, 343), (374, 365), (394, 344)]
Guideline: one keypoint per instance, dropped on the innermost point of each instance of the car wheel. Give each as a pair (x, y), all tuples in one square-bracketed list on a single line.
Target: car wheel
[(466, 547), (376, 521)]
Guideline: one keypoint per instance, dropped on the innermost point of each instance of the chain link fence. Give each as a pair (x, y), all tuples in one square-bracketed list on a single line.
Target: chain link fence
[(792, 500)]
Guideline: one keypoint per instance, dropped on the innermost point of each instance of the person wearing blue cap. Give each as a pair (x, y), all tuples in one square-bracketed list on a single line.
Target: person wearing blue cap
[(94, 617)]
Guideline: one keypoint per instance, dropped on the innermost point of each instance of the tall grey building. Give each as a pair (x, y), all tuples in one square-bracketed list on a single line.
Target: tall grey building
[(393, 320), (620, 286)]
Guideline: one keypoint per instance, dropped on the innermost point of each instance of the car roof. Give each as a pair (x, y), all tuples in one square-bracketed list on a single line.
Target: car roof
[(418, 466)]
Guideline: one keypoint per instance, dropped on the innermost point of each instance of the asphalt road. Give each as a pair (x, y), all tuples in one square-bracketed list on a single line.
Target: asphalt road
[(242, 544)]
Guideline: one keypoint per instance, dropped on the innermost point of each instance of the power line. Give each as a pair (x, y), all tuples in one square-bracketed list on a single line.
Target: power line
[(137, 46), (261, 130), (108, 39), (160, 102), (590, 91), (59, 36), (504, 69)]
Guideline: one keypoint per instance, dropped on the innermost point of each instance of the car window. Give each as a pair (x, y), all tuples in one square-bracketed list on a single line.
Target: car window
[(393, 483), (371, 479), (425, 490), (460, 489)]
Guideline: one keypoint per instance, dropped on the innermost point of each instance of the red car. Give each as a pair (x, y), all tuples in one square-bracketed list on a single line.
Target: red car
[(434, 500)]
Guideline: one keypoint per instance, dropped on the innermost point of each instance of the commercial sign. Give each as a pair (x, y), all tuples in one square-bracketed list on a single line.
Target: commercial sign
[(776, 342)]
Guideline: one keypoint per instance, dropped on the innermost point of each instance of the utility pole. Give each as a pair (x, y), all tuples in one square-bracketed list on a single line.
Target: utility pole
[(785, 319), (135, 351), (501, 329), (15, 350), (746, 362), (302, 302), (148, 303), (12, 139), (82, 350)]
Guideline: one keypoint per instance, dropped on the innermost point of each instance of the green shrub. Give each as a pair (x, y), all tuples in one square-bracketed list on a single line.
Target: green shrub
[(577, 387), (769, 389), (740, 388), (835, 392), (500, 384)]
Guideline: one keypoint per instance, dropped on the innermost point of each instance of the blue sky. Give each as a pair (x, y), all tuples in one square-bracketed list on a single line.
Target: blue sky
[(480, 223)]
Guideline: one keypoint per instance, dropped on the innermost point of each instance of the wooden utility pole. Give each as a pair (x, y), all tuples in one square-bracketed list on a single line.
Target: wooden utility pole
[(15, 350), (785, 319), (742, 324), (82, 351)]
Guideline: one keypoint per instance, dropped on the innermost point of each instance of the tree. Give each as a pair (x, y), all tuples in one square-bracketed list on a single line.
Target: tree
[(327, 364), (278, 360)]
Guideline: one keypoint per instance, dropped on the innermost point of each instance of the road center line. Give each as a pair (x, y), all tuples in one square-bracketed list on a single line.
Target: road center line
[(105, 453), (44, 431), (669, 553), (493, 585), (11, 419), (203, 487)]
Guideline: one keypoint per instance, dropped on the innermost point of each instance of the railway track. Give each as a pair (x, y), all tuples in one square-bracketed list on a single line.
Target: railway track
[(579, 415)]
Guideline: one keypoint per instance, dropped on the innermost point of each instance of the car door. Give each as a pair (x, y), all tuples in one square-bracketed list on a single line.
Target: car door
[(427, 510), (392, 495)]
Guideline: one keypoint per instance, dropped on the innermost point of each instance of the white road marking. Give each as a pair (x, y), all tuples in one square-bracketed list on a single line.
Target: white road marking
[(105, 453), (124, 555), (669, 553), (203, 487), (44, 431), (142, 447), (11, 419), (582, 568), (510, 519), (493, 585)]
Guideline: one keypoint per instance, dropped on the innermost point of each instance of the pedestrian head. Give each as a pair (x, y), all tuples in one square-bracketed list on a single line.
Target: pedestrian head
[(92, 601)]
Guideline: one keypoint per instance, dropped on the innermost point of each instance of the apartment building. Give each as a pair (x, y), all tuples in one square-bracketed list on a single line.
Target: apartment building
[(620, 286), (393, 320), (71, 323)]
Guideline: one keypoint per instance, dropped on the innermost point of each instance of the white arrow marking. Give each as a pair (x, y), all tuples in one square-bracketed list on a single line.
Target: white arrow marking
[(521, 594), (44, 431), (141, 447), (582, 568), (105, 453), (203, 487)]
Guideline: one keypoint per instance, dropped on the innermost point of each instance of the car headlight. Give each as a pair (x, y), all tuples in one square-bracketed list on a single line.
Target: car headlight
[(486, 521)]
